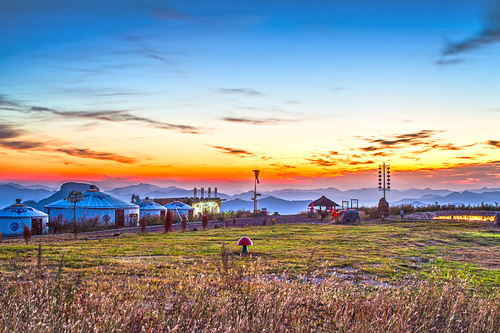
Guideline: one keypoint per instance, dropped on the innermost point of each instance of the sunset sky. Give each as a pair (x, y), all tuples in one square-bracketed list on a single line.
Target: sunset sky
[(199, 93)]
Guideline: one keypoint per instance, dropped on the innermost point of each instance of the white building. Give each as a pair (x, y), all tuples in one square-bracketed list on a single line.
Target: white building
[(110, 210), (14, 218)]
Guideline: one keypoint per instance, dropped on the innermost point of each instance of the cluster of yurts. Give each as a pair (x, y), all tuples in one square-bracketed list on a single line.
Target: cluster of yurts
[(110, 210)]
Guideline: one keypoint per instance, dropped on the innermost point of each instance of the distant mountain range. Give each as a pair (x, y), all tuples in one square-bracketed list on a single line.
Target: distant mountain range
[(153, 191), (273, 204), (455, 198), (10, 192), (286, 200), (59, 195)]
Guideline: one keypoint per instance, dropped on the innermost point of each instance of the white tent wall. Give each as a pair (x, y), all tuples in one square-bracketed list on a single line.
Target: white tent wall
[(13, 226), (131, 215), (150, 213)]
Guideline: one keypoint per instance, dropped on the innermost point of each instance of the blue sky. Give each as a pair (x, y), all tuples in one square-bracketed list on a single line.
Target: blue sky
[(101, 85)]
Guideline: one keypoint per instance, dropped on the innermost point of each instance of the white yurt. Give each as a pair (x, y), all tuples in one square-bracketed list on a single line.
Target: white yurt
[(110, 210), (149, 208), (179, 208), (14, 218)]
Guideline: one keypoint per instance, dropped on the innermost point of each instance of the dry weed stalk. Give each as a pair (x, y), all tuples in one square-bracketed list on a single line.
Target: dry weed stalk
[(143, 225), (234, 301), (168, 222), (184, 222)]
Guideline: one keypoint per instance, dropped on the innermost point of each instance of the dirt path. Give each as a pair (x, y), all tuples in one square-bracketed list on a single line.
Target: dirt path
[(240, 223)]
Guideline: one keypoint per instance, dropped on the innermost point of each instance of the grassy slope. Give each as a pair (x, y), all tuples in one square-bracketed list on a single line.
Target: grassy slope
[(384, 252), (446, 275)]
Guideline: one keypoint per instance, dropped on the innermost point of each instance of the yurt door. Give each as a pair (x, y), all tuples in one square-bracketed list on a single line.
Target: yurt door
[(36, 226), (119, 218), (162, 214)]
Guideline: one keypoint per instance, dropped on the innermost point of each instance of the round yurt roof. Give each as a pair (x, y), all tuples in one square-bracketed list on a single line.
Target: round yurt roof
[(150, 205), (19, 210), (94, 198), (178, 205)]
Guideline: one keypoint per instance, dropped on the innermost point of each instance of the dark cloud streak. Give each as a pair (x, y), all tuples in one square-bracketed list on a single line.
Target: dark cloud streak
[(8, 132), (494, 143), (105, 115), (240, 91), (422, 140), (489, 34), (257, 121), (233, 151), (118, 116), (87, 153)]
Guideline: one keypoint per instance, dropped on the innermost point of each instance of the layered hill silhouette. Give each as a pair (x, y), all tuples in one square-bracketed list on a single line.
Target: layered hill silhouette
[(286, 201), (273, 204), (10, 192), (59, 195)]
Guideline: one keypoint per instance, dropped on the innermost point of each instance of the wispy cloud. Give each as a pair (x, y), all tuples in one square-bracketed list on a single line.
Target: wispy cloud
[(21, 145), (324, 162), (489, 34), (407, 146), (11, 138), (117, 116), (334, 158), (257, 121), (419, 139), (283, 166), (410, 146), (239, 91), (8, 132), (338, 89), (4, 101), (444, 62), (87, 153), (494, 143), (234, 151)]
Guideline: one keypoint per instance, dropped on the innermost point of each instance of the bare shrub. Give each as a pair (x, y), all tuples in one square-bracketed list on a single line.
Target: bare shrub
[(26, 234), (168, 222), (184, 222), (204, 221), (143, 225)]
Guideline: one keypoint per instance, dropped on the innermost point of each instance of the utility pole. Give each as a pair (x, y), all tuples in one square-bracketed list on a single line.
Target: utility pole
[(384, 178), (255, 194)]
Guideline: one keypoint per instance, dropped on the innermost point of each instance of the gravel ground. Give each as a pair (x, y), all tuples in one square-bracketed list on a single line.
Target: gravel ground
[(455, 212)]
